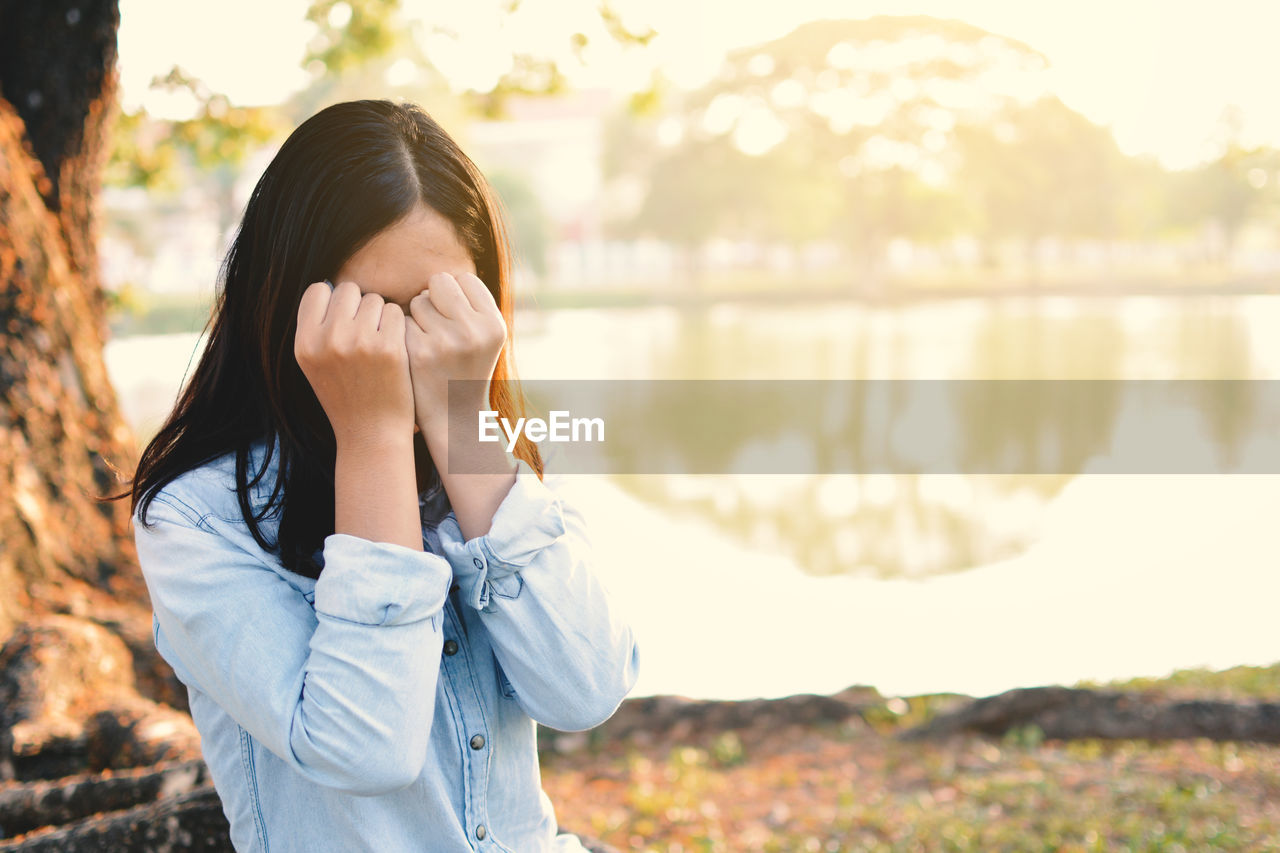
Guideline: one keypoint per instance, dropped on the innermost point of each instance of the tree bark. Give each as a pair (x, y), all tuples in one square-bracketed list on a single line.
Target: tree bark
[(62, 436), (63, 440)]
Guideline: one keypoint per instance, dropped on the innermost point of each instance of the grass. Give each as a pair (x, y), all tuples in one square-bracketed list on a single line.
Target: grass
[(850, 787)]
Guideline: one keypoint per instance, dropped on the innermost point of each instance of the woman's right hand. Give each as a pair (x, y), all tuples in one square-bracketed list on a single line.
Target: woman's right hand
[(351, 348)]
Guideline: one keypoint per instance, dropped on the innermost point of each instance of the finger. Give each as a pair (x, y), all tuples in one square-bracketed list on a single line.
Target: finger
[(369, 315), (446, 295), (412, 329), (314, 303), (344, 301), (416, 340), (392, 322), (424, 312), (476, 291)]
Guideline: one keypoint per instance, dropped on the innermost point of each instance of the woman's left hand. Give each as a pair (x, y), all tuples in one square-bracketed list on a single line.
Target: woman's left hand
[(454, 331)]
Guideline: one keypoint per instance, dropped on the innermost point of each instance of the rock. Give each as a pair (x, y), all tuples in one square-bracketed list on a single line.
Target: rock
[(69, 702), (1066, 713), (190, 823), (26, 807), (140, 733), (683, 719)]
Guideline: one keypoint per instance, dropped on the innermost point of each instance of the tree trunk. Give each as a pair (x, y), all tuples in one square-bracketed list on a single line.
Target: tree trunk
[(62, 436)]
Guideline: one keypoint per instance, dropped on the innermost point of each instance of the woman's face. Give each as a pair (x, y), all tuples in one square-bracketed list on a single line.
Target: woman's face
[(399, 261)]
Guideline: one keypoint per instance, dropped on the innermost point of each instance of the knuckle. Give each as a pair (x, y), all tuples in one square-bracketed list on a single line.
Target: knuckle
[(458, 340), (420, 351)]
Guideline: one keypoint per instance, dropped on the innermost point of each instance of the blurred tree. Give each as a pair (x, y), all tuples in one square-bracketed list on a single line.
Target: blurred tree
[(530, 226), (214, 143), (1040, 170), (349, 33), (1222, 195), (836, 127), (691, 198)]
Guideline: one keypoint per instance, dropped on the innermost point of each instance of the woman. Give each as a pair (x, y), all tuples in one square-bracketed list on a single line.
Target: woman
[(368, 637)]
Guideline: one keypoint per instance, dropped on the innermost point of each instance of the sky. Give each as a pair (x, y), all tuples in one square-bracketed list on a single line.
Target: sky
[(1159, 74)]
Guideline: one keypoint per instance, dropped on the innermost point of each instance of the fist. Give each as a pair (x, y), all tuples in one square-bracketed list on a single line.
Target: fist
[(454, 331), (351, 347)]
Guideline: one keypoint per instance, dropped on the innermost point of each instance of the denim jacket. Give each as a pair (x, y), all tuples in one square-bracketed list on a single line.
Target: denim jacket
[(389, 705)]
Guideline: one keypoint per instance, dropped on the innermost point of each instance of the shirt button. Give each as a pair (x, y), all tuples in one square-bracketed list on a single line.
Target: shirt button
[(450, 647), (480, 831), (477, 742), (478, 564)]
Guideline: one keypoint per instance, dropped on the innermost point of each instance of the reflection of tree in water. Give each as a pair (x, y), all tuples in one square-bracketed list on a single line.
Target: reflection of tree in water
[(1036, 425), (915, 526), (1213, 342)]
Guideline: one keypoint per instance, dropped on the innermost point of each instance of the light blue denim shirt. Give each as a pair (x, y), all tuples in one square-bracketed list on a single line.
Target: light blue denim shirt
[(389, 705)]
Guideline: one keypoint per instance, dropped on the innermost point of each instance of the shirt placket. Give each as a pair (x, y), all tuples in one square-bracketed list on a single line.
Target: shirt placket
[(473, 737)]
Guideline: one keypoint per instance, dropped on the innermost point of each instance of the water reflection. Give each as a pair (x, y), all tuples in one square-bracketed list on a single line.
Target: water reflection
[(878, 525), (888, 526)]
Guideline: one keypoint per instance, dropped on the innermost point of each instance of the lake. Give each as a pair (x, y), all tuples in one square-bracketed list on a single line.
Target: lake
[(765, 585)]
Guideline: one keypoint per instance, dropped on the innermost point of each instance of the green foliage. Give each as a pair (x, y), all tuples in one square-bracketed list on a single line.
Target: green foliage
[(905, 712), (1238, 682), (826, 174), (147, 152), (1229, 190), (528, 75), (670, 793), (889, 127), (350, 33), (139, 157), (615, 27), (1028, 736), (529, 224), (1040, 170), (693, 192), (132, 311), (126, 301), (351, 36), (727, 749)]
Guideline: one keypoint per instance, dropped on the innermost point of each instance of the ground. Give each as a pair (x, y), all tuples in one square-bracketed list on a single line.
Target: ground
[(850, 786)]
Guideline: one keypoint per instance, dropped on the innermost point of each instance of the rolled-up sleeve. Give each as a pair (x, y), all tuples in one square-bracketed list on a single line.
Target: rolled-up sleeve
[(568, 652), (341, 689)]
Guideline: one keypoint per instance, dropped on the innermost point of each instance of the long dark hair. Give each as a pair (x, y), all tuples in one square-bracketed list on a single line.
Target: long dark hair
[(342, 176)]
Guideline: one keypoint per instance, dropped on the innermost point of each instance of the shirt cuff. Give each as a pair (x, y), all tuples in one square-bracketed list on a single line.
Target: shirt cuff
[(529, 519), (379, 583)]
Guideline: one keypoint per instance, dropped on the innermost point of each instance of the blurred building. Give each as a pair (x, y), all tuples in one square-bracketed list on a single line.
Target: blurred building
[(557, 145)]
